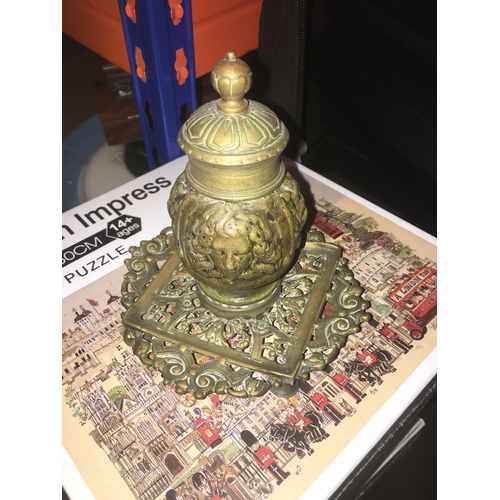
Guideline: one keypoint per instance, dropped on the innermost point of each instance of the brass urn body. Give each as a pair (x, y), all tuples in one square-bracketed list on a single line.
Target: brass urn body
[(237, 215)]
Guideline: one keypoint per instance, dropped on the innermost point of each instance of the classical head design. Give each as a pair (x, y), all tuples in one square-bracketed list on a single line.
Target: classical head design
[(232, 242)]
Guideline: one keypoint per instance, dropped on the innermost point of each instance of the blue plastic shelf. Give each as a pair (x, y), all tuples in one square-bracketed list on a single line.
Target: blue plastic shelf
[(165, 100)]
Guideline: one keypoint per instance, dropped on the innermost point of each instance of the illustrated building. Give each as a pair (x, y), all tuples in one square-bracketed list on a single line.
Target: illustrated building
[(91, 335), (141, 431)]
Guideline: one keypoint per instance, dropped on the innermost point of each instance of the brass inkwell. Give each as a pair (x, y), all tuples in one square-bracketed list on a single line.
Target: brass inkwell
[(234, 298)]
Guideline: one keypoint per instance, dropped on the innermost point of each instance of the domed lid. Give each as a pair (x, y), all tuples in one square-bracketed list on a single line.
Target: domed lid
[(232, 130)]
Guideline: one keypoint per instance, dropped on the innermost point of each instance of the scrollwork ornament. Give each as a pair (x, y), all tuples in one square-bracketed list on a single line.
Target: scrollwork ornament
[(177, 315)]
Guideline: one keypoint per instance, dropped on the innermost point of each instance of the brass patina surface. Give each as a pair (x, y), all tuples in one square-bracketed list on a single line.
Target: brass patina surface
[(237, 251), (236, 214), (200, 352), (231, 299)]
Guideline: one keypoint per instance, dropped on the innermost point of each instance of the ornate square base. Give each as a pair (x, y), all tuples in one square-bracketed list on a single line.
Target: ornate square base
[(318, 306)]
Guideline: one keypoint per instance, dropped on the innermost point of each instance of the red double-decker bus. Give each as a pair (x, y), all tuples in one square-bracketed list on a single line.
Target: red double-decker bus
[(322, 224), (417, 295)]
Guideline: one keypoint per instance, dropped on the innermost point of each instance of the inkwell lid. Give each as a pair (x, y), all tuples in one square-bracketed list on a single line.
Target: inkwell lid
[(232, 130)]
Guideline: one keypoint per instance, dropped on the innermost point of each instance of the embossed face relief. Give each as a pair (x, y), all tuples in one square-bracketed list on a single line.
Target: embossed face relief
[(233, 242), (231, 255)]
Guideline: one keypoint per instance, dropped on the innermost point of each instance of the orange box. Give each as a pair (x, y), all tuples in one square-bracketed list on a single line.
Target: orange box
[(218, 26)]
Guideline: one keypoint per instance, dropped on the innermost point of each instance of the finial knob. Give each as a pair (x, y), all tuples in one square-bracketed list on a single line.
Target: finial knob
[(232, 79)]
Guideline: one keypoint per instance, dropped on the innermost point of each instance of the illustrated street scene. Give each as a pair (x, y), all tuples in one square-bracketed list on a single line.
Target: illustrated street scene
[(169, 446)]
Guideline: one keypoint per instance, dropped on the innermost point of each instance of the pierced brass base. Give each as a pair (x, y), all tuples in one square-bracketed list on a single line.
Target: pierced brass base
[(169, 327), (242, 308)]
